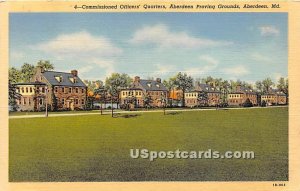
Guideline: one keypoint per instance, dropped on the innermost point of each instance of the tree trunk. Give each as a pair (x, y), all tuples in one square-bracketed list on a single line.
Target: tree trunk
[(183, 98)]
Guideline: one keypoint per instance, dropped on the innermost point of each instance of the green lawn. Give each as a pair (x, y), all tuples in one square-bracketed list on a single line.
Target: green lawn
[(96, 148)]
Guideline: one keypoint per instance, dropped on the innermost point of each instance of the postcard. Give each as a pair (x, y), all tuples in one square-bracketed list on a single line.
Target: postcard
[(137, 95)]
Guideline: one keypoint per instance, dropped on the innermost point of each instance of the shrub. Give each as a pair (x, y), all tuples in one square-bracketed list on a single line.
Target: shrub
[(247, 103), (263, 103)]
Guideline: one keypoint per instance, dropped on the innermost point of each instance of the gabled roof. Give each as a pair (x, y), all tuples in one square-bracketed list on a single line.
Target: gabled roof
[(149, 85), (206, 88), (275, 92), (50, 76)]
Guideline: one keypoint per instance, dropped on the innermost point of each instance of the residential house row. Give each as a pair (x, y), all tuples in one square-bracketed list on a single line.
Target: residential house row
[(66, 91)]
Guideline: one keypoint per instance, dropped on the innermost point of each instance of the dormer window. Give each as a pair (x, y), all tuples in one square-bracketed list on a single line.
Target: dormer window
[(206, 88), (157, 85), (58, 78), (149, 84), (73, 79)]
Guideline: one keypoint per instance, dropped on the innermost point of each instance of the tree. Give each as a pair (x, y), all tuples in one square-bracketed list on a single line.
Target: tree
[(54, 105), (184, 83), (259, 86), (170, 84), (147, 100), (27, 71), (14, 75), (163, 101), (45, 64), (13, 96), (224, 88), (202, 98), (115, 83), (283, 86), (267, 84), (247, 103)]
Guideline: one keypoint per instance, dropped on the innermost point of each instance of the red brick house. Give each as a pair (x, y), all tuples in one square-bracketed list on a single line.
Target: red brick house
[(63, 90), (203, 95), (140, 88), (238, 97)]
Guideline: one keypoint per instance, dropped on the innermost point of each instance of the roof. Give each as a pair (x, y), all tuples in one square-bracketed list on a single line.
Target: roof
[(30, 83), (275, 92), (149, 85), (50, 76), (206, 88), (243, 90)]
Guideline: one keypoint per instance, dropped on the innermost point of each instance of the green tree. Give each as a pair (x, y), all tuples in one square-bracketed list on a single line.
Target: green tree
[(115, 83), (13, 95), (45, 64), (147, 100), (27, 71), (14, 75), (184, 83), (259, 86), (267, 84), (202, 98), (282, 85), (170, 85)]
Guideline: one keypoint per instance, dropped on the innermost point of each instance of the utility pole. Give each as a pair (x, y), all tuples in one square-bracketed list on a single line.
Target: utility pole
[(112, 107), (46, 102)]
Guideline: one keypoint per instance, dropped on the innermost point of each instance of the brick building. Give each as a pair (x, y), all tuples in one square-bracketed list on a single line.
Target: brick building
[(61, 90), (32, 96), (238, 97), (140, 88), (203, 95)]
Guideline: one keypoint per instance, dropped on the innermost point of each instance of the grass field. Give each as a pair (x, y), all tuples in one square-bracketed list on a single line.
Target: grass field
[(96, 148)]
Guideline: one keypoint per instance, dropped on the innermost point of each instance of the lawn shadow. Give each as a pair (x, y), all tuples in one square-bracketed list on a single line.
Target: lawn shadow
[(173, 113), (119, 115)]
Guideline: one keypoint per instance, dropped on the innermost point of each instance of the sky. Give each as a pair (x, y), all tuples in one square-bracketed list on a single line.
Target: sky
[(244, 46)]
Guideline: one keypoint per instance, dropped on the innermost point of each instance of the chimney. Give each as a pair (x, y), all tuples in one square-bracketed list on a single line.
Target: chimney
[(158, 80), (137, 79), (40, 69), (74, 73), (238, 88)]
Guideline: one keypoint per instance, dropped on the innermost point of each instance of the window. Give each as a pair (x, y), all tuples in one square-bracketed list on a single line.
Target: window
[(82, 101), (82, 90), (65, 90), (29, 101), (76, 90), (56, 89), (43, 90), (41, 101), (76, 101), (30, 89), (63, 101), (70, 90), (24, 101), (26, 89)]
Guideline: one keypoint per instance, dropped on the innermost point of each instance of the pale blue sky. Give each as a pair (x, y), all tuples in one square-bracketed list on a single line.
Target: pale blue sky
[(245, 46)]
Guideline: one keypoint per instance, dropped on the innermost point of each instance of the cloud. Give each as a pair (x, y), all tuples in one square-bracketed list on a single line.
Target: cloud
[(261, 58), (207, 65), (163, 69), (161, 36), (235, 71), (97, 52), (79, 44), (17, 55), (269, 31)]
